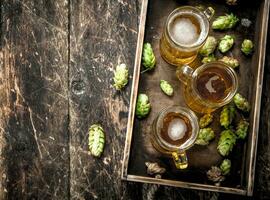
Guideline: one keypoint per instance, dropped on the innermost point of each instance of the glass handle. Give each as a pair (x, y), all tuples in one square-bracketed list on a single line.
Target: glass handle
[(180, 160), (184, 73), (209, 12)]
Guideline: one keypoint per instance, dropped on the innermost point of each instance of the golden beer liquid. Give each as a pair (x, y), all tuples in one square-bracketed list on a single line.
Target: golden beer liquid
[(223, 85), (170, 51)]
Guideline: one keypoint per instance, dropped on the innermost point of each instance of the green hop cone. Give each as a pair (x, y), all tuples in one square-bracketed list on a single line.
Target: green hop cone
[(226, 142), (247, 47), (209, 46), (209, 59), (120, 76), (205, 120), (225, 167), (230, 61), (226, 116), (96, 140), (148, 57), (226, 43), (166, 87), (241, 102), (143, 106), (214, 174), (242, 129), (225, 22), (205, 135)]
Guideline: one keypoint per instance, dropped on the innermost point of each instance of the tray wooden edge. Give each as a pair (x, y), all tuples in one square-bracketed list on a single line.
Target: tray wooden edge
[(186, 185), (134, 88), (256, 117), (258, 94)]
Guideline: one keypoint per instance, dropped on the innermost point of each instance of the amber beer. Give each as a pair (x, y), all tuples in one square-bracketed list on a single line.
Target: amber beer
[(174, 130), (186, 30), (208, 87)]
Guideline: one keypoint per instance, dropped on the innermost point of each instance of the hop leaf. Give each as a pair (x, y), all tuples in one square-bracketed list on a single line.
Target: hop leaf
[(214, 174), (242, 129), (225, 22), (205, 135), (96, 140), (209, 46), (226, 116), (120, 76), (148, 57), (226, 43), (230, 61), (226, 142), (208, 59), (247, 47), (241, 102), (225, 166), (166, 87), (143, 106), (205, 120)]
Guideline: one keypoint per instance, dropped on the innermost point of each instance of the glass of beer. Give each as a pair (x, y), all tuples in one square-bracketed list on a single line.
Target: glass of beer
[(185, 31), (208, 87), (173, 132)]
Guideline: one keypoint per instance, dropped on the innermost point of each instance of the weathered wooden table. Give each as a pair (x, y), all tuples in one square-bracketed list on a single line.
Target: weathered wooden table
[(56, 67)]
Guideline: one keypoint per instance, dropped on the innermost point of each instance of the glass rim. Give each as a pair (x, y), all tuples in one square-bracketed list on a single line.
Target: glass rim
[(230, 71), (194, 123), (169, 18)]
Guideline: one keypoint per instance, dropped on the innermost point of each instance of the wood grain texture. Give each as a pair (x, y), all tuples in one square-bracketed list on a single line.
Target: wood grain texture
[(34, 101), (102, 35)]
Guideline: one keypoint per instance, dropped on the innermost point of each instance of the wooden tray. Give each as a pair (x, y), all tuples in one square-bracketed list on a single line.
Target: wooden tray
[(138, 148)]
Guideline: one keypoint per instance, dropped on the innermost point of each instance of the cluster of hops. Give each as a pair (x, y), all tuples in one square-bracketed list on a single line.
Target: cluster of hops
[(226, 43), (205, 120), (205, 135), (225, 22), (96, 140), (208, 59), (241, 102), (230, 61), (148, 57), (226, 142), (166, 87), (247, 47), (227, 115), (120, 76), (225, 166), (242, 129), (143, 106), (209, 46)]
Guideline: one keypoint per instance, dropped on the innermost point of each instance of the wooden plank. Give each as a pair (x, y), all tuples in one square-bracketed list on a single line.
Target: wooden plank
[(34, 102), (103, 34)]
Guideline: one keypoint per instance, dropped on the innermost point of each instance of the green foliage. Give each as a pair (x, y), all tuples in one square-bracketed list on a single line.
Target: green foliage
[(143, 106), (241, 102), (166, 87), (209, 46), (226, 43), (148, 57), (226, 142), (205, 135), (96, 140), (225, 22), (120, 76)]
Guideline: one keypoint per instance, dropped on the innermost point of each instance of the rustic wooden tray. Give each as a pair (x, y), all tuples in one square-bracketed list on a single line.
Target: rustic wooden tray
[(138, 148)]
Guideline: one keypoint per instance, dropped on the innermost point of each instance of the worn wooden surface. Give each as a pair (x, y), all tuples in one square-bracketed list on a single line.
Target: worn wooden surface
[(56, 68)]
